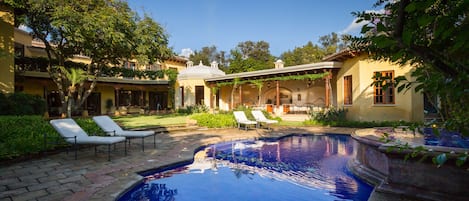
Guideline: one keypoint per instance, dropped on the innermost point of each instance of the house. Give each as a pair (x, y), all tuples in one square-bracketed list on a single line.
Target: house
[(122, 93), (342, 80), (113, 94)]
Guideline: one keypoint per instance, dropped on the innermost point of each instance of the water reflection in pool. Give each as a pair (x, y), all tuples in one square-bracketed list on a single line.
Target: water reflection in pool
[(292, 168)]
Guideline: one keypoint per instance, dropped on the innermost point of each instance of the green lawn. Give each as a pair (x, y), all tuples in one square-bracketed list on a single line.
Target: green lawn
[(151, 121), (171, 120), (291, 123)]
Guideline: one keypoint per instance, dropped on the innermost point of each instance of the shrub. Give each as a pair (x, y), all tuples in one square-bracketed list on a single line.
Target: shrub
[(214, 120), (191, 109), (20, 103), (331, 114), (359, 124), (24, 135), (90, 127)]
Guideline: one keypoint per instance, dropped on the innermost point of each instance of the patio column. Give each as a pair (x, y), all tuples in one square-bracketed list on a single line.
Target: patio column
[(116, 102), (278, 94), (211, 96), (240, 95), (327, 83)]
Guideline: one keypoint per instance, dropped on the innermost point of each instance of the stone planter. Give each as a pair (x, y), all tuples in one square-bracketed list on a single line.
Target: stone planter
[(414, 178)]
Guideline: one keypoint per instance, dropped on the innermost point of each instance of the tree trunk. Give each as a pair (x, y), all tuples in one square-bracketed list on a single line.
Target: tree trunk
[(69, 107)]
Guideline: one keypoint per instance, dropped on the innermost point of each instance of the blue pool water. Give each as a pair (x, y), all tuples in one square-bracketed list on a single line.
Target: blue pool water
[(445, 138), (292, 168)]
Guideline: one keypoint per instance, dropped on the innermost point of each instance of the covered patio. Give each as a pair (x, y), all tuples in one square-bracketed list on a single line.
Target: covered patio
[(282, 90)]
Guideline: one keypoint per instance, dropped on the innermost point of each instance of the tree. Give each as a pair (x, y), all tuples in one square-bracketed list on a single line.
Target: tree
[(308, 53), (311, 53), (151, 42), (207, 55), (74, 76), (106, 31), (432, 37), (250, 56), (332, 43)]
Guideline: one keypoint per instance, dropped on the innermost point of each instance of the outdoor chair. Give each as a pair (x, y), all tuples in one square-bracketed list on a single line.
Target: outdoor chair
[(260, 118), (241, 119), (75, 135), (111, 128)]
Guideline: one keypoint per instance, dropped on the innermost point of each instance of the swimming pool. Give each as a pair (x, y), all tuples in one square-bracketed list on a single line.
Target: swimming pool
[(297, 167)]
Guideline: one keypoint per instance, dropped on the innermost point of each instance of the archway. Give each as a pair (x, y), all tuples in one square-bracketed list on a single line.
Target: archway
[(270, 96)]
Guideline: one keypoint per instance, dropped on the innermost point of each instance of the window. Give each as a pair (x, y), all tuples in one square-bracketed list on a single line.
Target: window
[(181, 91), (199, 95), (19, 50), (154, 67), (130, 98), (129, 65), (384, 94), (348, 90)]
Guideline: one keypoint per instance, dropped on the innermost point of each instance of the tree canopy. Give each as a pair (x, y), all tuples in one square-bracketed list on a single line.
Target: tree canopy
[(310, 53), (250, 56), (208, 55), (433, 37), (106, 31)]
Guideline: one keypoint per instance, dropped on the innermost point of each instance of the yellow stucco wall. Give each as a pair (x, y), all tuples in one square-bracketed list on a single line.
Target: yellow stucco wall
[(7, 70), (189, 92), (107, 92), (408, 106)]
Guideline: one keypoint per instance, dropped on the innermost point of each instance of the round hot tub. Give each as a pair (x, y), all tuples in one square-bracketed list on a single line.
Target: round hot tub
[(382, 161)]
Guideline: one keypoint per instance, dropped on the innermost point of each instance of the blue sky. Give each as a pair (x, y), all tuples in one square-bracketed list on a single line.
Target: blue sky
[(284, 24)]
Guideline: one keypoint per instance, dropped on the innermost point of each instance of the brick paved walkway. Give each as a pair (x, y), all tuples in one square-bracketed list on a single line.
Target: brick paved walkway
[(60, 177)]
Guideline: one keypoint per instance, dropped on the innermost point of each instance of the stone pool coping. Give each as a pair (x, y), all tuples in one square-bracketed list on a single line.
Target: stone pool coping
[(60, 177), (398, 179)]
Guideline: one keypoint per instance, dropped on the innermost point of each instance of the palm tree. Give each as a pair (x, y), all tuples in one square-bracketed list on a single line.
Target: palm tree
[(74, 76)]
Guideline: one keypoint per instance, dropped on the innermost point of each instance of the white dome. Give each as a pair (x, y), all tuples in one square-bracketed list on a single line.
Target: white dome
[(200, 71)]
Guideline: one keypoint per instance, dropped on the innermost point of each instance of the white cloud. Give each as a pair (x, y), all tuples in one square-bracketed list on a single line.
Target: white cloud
[(186, 52), (24, 28), (354, 28)]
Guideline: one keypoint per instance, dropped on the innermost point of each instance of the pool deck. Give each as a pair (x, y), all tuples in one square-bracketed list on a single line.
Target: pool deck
[(60, 177)]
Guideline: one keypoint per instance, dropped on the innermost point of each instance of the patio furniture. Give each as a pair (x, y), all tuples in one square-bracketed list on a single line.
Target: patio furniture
[(241, 119), (75, 135), (111, 128), (260, 118)]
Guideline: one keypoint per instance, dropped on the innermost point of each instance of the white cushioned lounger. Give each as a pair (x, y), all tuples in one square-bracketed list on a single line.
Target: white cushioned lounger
[(74, 134), (241, 119), (111, 128), (260, 118)]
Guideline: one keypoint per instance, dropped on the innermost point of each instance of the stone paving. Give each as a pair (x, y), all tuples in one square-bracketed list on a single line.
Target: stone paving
[(93, 177)]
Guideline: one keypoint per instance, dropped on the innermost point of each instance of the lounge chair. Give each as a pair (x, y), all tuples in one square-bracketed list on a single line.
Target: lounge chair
[(241, 119), (75, 135), (111, 128), (260, 118)]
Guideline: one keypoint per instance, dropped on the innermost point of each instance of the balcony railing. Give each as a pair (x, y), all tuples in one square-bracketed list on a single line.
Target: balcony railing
[(39, 64)]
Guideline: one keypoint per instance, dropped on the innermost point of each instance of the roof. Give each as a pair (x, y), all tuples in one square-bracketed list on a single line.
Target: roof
[(104, 79), (178, 59), (299, 69), (200, 71), (341, 55)]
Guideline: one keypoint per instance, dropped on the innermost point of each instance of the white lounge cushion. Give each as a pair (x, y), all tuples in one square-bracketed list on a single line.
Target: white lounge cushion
[(135, 133), (259, 116), (241, 118), (68, 129), (111, 128)]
